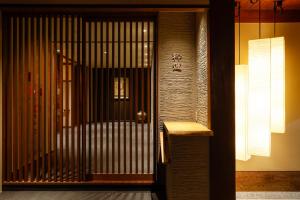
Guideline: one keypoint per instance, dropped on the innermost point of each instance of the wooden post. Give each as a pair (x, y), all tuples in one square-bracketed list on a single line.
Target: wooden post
[(222, 144)]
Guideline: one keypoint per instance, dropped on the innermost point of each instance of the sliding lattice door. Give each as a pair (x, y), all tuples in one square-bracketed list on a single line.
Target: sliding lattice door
[(78, 103)]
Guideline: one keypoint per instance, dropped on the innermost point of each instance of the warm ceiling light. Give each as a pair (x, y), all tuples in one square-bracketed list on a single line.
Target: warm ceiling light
[(259, 105), (241, 112), (277, 85)]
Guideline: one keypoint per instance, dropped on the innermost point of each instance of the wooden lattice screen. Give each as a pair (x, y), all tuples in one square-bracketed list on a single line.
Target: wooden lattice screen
[(79, 99)]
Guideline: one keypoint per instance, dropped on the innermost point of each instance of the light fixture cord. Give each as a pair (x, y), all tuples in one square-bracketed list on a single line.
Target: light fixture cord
[(275, 10), (239, 17), (259, 22)]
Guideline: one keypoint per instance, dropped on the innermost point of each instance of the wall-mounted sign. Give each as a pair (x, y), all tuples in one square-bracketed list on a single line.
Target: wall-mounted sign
[(176, 62)]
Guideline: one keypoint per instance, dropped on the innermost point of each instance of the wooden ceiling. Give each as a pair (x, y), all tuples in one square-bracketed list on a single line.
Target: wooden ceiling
[(268, 5), (249, 11)]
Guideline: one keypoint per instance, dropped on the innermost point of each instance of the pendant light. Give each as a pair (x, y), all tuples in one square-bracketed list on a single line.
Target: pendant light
[(260, 92), (259, 100)]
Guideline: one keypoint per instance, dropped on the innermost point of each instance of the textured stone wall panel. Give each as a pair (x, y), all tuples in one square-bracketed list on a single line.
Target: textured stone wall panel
[(201, 69), (177, 93)]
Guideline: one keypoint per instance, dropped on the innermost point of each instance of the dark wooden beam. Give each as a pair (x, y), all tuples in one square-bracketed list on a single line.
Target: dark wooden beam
[(139, 10), (268, 181), (267, 16), (222, 144)]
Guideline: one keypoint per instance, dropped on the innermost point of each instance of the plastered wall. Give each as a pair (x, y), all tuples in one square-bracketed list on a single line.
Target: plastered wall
[(285, 149)]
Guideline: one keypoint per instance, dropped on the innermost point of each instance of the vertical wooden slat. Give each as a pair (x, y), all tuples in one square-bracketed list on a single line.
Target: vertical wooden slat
[(78, 98), (84, 101), (102, 99), (32, 86), (136, 98), (14, 112), (42, 94), (95, 91), (60, 76), (119, 88), (10, 100), (142, 94), (37, 104), (16, 100), (72, 100), (156, 92), (89, 42), (130, 100), (56, 64), (40, 124), (112, 98), (49, 113), (108, 95), (125, 95), (67, 96), (79, 94), (45, 96), (148, 95), (26, 96), (20, 98), (24, 99), (5, 89)]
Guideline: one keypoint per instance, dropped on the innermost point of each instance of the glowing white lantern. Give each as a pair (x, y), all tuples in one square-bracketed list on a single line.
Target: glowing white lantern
[(277, 85), (241, 112), (259, 108), (260, 97)]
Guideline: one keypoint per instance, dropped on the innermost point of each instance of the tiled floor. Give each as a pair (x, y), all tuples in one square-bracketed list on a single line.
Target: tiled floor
[(267, 195), (75, 195)]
